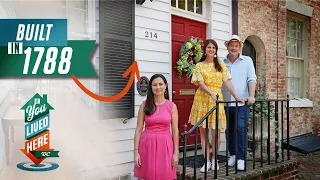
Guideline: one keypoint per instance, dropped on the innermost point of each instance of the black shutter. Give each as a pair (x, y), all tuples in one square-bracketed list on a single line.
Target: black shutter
[(116, 36)]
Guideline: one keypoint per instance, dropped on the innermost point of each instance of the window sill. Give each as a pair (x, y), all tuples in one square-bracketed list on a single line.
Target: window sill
[(302, 103)]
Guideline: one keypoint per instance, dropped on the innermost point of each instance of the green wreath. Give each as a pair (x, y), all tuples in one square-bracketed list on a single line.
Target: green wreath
[(190, 54)]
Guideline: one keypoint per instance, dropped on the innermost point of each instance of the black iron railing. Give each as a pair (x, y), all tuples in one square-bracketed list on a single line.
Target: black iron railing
[(274, 108)]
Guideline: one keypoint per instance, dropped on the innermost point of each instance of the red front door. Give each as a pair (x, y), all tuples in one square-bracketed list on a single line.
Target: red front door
[(182, 30)]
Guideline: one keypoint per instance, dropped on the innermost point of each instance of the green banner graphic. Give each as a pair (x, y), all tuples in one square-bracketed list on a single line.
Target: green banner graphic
[(17, 60), (45, 154)]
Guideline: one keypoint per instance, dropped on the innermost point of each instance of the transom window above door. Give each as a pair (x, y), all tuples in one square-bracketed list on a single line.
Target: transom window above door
[(194, 6)]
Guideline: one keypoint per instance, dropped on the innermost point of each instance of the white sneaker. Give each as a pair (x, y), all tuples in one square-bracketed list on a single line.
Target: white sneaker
[(203, 167), (232, 160), (212, 164), (240, 165)]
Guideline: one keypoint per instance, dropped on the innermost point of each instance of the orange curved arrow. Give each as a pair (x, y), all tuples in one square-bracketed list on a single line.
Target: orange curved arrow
[(133, 69)]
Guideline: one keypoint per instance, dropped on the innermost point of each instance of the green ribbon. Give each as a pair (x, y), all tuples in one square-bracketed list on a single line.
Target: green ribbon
[(45, 154), (12, 65)]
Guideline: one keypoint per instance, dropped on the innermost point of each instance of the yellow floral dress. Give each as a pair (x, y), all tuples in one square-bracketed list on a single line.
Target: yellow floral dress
[(203, 102)]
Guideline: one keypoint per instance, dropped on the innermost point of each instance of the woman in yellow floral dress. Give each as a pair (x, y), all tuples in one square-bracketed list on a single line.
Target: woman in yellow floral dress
[(209, 74)]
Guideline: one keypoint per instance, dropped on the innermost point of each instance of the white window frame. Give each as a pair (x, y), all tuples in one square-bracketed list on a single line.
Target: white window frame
[(304, 58), (190, 15)]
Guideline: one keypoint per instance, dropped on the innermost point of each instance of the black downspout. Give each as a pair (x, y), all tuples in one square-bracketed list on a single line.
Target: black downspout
[(235, 17)]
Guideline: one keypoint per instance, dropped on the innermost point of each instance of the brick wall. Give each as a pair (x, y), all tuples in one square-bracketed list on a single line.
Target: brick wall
[(258, 19)]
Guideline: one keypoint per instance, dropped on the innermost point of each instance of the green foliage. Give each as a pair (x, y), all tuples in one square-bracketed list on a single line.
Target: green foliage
[(190, 55), (264, 111)]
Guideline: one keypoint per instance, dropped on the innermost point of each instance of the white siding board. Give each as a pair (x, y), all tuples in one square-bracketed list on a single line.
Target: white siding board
[(146, 55), (152, 45), (117, 124), (157, 5), (146, 22), (136, 110), (220, 8), (151, 67), (222, 2), (220, 35), (120, 146), (223, 52), (149, 74), (153, 14), (220, 17), (120, 135), (165, 1), (149, 34), (222, 26)]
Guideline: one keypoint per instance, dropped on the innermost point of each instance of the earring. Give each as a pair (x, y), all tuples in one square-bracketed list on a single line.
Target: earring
[(205, 54), (166, 92), (215, 56)]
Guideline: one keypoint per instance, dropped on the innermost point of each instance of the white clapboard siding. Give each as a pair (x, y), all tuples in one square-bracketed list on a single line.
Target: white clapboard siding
[(221, 24), (145, 55), (221, 31)]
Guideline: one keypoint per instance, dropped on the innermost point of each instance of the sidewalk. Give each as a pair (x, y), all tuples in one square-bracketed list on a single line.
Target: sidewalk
[(309, 165)]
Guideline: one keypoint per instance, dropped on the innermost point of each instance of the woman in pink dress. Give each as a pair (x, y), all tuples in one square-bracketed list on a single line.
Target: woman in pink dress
[(156, 150)]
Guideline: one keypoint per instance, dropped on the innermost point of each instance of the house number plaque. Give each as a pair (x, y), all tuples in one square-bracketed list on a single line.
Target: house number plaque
[(142, 86)]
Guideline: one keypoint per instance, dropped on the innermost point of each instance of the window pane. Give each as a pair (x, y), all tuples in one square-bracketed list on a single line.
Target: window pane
[(299, 48), (292, 47), (199, 7), (173, 3), (190, 5), (293, 87), (288, 46), (294, 77), (292, 28), (181, 4), (300, 30)]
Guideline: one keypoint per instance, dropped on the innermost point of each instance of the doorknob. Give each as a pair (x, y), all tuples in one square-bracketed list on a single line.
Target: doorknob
[(173, 92)]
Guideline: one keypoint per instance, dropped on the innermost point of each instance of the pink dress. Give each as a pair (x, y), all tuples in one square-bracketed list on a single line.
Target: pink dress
[(156, 146)]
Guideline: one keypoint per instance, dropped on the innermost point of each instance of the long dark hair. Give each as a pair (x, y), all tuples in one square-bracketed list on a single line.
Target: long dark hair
[(149, 107), (215, 59)]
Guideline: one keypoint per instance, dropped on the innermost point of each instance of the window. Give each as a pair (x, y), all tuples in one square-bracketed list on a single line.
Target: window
[(296, 54), (194, 6)]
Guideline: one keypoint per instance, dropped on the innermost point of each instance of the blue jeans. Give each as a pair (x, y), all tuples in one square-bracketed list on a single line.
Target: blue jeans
[(231, 131)]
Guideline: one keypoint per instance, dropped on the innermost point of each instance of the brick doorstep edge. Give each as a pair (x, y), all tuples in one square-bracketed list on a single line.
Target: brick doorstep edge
[(284, 169)]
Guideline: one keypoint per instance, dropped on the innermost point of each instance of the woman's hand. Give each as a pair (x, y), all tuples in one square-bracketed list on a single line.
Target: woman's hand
[(175, 160), (214, 97), (137, 160)]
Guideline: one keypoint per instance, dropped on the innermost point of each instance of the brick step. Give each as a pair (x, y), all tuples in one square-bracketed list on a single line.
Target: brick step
[(283, 169)]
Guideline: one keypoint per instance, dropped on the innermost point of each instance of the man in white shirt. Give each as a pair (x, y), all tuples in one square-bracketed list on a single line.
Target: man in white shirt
[(243, 75)]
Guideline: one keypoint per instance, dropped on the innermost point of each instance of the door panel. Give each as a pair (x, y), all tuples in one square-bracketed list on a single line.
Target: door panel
[(182, 89)]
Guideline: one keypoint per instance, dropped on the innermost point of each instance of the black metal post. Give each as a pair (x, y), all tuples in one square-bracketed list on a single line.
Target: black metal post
[(268, 143), (227, 143), (254, 135), (282, 133), (195, 155), (184, 152), (236, 142), (288, 127), (216, 138), (245, 135), (206, 150), (261, 133), (276, 129)]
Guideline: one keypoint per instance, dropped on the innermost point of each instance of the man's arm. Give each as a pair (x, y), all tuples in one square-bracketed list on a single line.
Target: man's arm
[(252, 81)]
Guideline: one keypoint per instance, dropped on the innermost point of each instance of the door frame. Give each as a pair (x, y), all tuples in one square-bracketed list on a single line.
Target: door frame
[(207, 18)]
